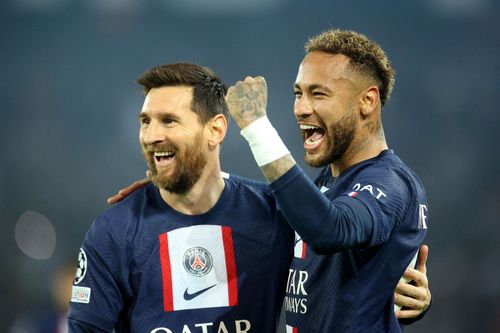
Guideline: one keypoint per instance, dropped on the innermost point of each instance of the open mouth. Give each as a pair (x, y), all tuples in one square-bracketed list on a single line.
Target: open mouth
[(312, 135), (163, 156)]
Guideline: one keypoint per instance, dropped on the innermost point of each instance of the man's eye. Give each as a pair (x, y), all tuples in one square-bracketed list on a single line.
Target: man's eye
[(318, 93), (145, 121), (297, 94)]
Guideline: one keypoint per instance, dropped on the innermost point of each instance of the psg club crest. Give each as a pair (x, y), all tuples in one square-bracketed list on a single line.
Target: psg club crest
[(197, 261), (198, 268), (81, 267)]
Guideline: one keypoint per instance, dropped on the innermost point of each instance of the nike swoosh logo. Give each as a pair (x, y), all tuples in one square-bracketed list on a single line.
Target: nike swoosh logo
[(188, 296)]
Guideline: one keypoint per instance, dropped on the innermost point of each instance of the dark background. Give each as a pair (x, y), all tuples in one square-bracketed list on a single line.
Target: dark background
[(69, 129)]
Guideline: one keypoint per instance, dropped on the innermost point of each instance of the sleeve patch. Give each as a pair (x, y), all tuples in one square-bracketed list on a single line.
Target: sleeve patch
[(80, 294)]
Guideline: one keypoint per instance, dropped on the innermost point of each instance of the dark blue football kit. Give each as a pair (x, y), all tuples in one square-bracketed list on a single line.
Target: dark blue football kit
[(144, 267), (354, 241)]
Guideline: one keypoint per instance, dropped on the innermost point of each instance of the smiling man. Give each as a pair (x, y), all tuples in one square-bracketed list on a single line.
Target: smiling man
[(192, 252), (361, 224)]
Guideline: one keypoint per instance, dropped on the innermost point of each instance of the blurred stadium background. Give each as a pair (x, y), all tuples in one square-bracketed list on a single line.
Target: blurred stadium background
[(69, 128)]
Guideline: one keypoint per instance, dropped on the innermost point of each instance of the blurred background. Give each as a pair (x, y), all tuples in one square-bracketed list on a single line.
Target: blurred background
[(69, 129)]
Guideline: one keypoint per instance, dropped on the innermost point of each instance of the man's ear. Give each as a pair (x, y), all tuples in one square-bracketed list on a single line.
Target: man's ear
[(370, 100), (217, 128)]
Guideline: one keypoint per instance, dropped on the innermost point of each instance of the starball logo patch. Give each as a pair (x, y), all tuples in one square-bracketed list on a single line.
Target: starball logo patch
[(81, 267)]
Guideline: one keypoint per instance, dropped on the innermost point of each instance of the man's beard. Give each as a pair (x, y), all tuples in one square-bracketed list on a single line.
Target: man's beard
[(188, 167), (342, 133)]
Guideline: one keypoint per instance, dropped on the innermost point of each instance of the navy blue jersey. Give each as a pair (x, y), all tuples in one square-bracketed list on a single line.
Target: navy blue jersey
[(144, 267), (349, 286)]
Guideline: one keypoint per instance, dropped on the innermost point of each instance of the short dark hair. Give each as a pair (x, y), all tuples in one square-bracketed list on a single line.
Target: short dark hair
[(209, 91), (366, 56)]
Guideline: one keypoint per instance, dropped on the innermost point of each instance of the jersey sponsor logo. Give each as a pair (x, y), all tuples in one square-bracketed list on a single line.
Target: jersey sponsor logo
[(188, 296), (296, 293), (198, 261), (300, 247), (81, 267), (80, 294), (422, 216), (198, 258), (375, 191), (238, 326)]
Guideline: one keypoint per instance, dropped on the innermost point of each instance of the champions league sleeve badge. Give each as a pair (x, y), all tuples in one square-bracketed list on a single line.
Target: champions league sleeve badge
[(81, 267), (80, 294)]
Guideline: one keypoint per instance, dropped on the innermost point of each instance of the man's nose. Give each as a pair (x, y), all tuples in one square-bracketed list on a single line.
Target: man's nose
[(302, 107), (154, 133)]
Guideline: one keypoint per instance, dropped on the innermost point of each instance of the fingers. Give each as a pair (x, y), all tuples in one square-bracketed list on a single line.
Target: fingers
[(412, 307), (413, 297), (407, 313), (114, 199), (247, 100), (404, 291), (254, 79), (422, 258), (418, 277), (123, 193), (237, 90)]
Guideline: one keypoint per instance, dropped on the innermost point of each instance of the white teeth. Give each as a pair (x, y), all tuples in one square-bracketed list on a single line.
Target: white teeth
[(313, 141), (163, 153), (307, 127)]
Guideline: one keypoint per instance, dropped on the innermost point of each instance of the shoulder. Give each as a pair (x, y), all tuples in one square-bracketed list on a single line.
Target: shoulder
[(387, 171), (257, 205), (387, 180), (257, 184), (253, 191), (120, 221)]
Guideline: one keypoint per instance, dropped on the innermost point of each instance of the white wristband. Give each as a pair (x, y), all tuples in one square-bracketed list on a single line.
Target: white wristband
[(264, 141)]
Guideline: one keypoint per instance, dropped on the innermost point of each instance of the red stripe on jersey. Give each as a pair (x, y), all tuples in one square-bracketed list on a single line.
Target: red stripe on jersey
[(304, 247), (295, 330), (166, 274), (232, 277)]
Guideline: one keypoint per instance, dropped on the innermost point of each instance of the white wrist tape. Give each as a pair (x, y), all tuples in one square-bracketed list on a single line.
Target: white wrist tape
[(264, 141)]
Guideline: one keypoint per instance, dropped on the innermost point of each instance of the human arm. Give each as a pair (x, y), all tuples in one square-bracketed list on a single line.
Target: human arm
[(414, 296), (101, 282), (353, 223), (129, 189)]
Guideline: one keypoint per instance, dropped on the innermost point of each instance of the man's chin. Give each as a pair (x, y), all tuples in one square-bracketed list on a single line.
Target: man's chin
[(313, 160)]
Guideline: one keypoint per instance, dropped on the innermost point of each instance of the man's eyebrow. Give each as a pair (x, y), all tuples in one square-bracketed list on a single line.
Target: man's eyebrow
[(162, 114), (312, 87)]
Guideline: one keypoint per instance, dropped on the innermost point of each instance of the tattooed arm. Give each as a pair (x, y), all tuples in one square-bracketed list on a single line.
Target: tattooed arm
[(247, 102), (326, 232)]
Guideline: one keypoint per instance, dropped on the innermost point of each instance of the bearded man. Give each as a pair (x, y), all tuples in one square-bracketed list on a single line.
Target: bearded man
[(192, 252)]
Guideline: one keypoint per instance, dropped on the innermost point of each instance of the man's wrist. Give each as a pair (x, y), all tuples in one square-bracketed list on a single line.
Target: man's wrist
[(264, 141)]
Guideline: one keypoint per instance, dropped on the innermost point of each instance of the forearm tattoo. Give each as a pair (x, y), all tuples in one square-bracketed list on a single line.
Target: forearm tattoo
[(278, 168)]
